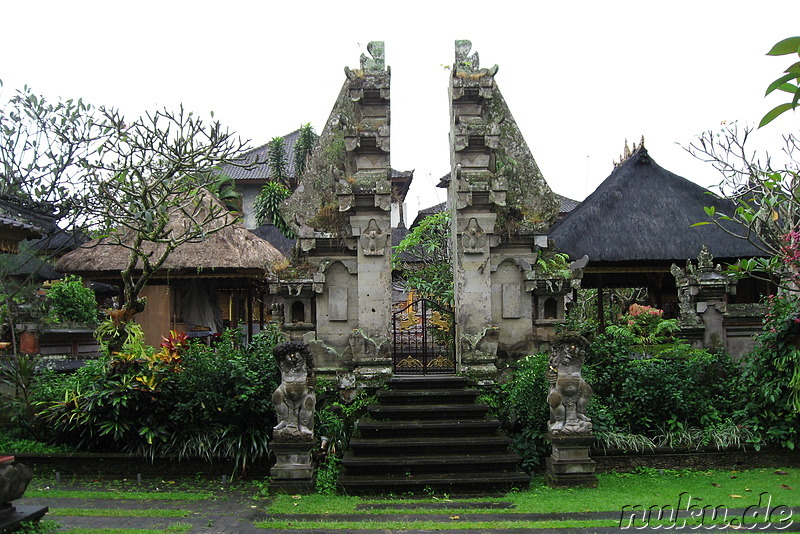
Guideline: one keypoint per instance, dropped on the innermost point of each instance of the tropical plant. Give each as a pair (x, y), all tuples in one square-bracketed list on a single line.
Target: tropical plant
[(224, 188), (644, 325), (18, 375), (789, 82), (772, 374), (680, 388), (306, 141), (69, 301), (187, 399), (423, 259), (553, 264), (278, 162), (267, 207)]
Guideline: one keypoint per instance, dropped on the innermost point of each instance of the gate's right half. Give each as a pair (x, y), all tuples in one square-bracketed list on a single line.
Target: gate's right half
[(424, 341)]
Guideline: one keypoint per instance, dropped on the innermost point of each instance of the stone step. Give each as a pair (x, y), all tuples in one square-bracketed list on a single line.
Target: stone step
[(428, 428), (428, 432), (454, 412), (427, 382), (356, 465), (432, 396), (456, 483), (414, 446)]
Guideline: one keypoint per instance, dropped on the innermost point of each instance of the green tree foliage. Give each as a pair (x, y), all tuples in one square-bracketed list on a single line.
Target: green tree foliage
[(49, 154), (766, 207), (772, 374), (306, 141), (125, 177), (789, 82), (423, 259), (49, 149), (224, 188), (155, 169), (278, 162), (69, 301), (267, 206)]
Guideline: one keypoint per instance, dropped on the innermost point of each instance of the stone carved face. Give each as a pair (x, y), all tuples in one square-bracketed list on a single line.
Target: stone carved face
[(296, 362), (571, 355)]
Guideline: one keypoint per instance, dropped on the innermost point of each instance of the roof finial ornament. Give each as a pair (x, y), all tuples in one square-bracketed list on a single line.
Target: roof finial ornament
[(629, 151), (467, 64), (377, 63)]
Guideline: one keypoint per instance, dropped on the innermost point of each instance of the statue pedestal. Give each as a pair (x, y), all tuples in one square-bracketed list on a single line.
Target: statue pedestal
[(14, 479), (293, 471), (569, 464)]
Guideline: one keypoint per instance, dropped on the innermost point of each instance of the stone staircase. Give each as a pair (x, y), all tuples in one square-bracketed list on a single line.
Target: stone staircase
[(427, 433)]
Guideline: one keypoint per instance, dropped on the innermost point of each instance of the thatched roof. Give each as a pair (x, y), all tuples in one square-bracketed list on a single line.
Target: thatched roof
[(643, 212), (270, 233), (232, 250)]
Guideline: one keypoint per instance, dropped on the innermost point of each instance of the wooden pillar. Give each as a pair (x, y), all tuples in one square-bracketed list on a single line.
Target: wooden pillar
[(261, 310), (249, 312), (601, 316)]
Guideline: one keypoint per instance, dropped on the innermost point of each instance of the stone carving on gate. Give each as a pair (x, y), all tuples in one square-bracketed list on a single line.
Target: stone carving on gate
[(473, 238), (373, 240)]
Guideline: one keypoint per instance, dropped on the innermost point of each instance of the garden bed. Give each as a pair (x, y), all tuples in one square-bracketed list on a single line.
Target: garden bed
[(119, 466), (122, 466)]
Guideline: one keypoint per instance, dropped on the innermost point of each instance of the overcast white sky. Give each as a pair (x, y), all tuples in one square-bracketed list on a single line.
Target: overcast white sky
[(580, 76)]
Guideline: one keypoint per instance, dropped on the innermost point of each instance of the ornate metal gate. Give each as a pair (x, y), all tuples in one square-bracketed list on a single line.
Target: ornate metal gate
[(423, 338)]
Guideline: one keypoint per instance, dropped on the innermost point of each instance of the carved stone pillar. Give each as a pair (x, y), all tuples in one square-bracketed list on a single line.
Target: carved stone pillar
[(499, 203)]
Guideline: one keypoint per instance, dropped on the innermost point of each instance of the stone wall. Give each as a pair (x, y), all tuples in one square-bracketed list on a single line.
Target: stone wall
[(706, 458)]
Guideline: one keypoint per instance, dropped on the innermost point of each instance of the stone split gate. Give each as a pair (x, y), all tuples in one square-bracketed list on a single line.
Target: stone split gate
[(338, 297)]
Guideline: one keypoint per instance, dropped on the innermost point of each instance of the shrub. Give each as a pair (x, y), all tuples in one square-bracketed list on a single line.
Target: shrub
[(520, 404), (771, 375), (69, 301), (184, 400), (335, 421), (681, 388)]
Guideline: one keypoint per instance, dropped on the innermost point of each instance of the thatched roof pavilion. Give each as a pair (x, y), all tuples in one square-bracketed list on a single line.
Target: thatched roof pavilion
[(639, 221), (232, 251), (202, 286)]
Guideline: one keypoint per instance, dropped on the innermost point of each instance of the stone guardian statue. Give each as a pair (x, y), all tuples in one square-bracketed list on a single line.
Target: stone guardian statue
[(569, 393), (294, 399)]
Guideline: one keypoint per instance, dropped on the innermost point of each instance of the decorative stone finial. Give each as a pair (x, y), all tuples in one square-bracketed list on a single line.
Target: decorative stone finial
[(469, 64), (377, 63), (705, 260)]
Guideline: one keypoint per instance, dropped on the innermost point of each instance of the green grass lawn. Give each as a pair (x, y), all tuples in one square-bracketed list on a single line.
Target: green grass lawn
[(732, 489), (635, 492)]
